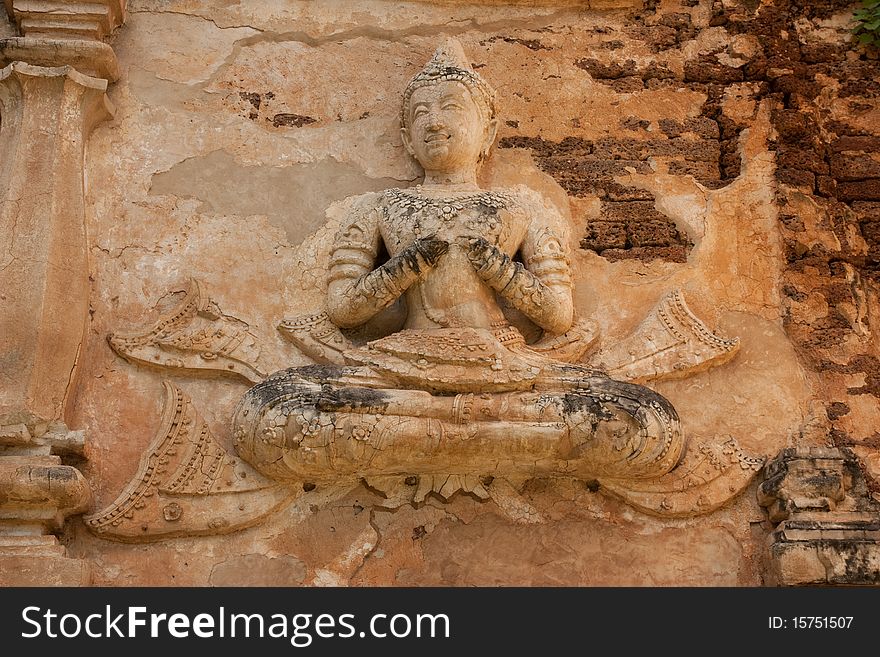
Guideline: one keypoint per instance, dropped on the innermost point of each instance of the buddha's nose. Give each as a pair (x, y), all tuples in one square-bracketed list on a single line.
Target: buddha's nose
[(434, 123)]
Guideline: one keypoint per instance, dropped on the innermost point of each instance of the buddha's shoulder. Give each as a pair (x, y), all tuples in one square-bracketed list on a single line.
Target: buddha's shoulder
[(356, 208), (366, 200), (526, 199), (370, 201)]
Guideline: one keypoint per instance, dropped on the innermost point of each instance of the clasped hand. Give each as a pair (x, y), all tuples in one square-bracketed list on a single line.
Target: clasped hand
[(430, 249)]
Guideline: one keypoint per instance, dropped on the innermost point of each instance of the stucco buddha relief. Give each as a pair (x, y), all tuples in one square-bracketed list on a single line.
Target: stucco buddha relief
[(449, 358)]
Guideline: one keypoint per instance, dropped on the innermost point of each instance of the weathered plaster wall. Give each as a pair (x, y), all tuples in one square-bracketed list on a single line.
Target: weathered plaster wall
[(660, 131)]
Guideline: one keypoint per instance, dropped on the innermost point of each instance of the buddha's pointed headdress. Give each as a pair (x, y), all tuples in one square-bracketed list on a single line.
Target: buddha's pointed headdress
[(449, 63)]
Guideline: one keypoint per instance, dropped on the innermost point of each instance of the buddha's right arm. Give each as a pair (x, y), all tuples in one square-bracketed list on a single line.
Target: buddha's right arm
[(357, 292)]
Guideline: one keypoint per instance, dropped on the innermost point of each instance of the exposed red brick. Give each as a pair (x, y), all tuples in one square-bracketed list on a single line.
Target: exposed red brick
[(826, 185), (705, 70), (699, 170), (701, 126), (603, 235), (646, 254), (796, 177), (653, 233), (867, 210), (861, 143), (617, 192), (794, 126), (627, 85), (854, 167), (601, 71), (631, 211), (798, 158), (864, 190)]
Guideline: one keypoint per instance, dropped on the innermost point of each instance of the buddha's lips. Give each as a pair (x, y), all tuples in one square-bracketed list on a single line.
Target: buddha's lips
[(439, 136)]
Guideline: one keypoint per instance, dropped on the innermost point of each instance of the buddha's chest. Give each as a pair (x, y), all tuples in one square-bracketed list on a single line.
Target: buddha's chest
[(408, 217)]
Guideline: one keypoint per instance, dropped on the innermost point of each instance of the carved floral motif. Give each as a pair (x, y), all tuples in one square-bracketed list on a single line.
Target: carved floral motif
[(194, 335), (187, 484), (670, 343), (709, 476)]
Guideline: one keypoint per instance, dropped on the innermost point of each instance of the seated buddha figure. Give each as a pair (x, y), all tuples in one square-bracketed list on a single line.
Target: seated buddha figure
[(457, 389)]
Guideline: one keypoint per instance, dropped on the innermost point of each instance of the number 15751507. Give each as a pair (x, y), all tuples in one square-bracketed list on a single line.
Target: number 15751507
[(810, 622)]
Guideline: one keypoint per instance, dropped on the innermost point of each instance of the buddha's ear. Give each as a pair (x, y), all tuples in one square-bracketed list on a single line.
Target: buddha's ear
[(491, 133), (407, 142)]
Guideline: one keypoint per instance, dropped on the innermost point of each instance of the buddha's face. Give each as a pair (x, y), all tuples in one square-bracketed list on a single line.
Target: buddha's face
[(447, 130)]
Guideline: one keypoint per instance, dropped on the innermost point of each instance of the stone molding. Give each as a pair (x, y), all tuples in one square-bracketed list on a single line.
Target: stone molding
[(37, 493), (92, 20), (69, 33)]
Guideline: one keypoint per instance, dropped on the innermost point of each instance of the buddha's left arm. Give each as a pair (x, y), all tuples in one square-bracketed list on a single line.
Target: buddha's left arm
[(542, 288)]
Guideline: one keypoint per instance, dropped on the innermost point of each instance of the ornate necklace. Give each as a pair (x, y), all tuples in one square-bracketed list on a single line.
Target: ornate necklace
[(415, 199), (447, 208)]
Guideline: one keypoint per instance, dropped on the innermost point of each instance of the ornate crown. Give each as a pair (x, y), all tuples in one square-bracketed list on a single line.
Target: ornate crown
[(450, 63)]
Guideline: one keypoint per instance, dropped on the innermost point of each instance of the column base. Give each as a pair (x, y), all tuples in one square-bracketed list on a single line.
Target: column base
[(37, 493), (828, 530), (40, 561), (839, 549)]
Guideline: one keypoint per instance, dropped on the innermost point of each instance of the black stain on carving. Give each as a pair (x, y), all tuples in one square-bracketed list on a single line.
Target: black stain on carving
[(338, 399), (253, 98), (531, 44), (294, 120), (54, 474), (271, 390), (319, 373), (573, 403)]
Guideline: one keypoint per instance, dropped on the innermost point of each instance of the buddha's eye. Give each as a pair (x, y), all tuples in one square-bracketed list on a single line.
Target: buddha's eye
[(452, 106)]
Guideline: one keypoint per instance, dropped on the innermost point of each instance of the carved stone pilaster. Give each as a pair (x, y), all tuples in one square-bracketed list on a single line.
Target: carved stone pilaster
[(827, 524), (53, 78), (47, 114)]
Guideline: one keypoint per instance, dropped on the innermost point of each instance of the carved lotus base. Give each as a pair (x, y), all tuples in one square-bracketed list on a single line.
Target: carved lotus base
[(317, 424)]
